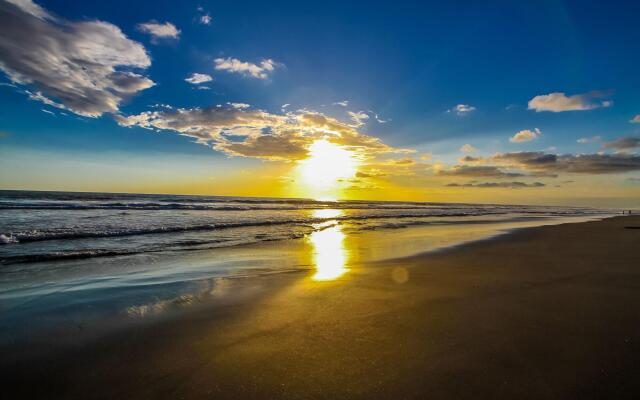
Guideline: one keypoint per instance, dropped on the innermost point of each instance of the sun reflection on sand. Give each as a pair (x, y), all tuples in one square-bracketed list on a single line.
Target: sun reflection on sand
[(329, 254)]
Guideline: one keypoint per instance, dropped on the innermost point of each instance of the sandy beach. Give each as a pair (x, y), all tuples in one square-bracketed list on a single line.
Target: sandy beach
[(544, 313), (345, 200)]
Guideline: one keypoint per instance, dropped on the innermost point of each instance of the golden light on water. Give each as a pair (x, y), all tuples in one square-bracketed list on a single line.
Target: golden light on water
[(322, 174), (329, 254), (327, 213), (327, 166)]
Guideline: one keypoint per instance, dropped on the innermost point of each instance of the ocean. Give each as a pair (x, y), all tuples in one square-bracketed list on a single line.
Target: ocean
[(67, 254)]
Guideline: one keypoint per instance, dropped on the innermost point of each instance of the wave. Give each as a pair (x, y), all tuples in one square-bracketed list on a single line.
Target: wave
[(241, 206), (133, 206), (37, 236), (207, 244), (4, 239), (181, 245), (63, 255), (44, 235)]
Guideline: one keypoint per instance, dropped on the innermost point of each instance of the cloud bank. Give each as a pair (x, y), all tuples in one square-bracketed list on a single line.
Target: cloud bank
[(508, 185), (478, 171), (541, 163), (623, 144), (237, 130)]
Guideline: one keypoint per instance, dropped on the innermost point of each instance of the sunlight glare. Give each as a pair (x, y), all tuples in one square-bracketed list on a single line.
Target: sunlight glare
[(326, 167), (327, 213), (329, 254)]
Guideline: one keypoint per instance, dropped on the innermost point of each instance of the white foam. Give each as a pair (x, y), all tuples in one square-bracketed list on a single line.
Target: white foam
[(4, 239)]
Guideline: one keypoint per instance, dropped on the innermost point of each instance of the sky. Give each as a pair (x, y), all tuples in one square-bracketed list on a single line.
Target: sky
[(493, 102)]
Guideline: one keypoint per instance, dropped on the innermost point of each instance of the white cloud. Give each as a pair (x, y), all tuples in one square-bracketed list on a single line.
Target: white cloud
[(197, 78), (239, 106), (262, 70), (559, 102), (166, 30), (240, 131), (636, 119), (343, 103), (378, 118), (525, 135), (32, 8), (358, 117), (160, 105), (38, 96), (586, 140), (205, 19), (85, 66), (462, 109), (467, 148)]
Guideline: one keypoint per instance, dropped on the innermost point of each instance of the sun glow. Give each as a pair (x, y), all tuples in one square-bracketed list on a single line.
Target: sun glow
[(326, 168)]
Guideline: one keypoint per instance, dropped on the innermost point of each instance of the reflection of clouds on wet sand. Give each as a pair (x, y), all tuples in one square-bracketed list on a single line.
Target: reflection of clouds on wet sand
[(224, 289), (205, 290)]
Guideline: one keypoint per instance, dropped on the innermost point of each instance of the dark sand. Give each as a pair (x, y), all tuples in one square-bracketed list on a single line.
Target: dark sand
[(545, 313)]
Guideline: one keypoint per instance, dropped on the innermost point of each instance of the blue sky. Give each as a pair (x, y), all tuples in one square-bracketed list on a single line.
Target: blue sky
[(409, 64)]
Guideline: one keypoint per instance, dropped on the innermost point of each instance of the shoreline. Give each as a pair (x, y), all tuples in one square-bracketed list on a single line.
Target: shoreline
[(498, 235), (447, 323), (198, 292), (153, 279)]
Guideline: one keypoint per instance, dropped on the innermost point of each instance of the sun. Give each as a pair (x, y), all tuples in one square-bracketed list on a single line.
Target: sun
[(328, 166)]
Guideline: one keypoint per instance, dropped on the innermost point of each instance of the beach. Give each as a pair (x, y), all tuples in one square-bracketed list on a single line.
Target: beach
[(545, 312), (290, 201)]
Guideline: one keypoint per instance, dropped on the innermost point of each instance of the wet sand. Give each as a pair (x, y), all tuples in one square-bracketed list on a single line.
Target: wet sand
[(544, 313)]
